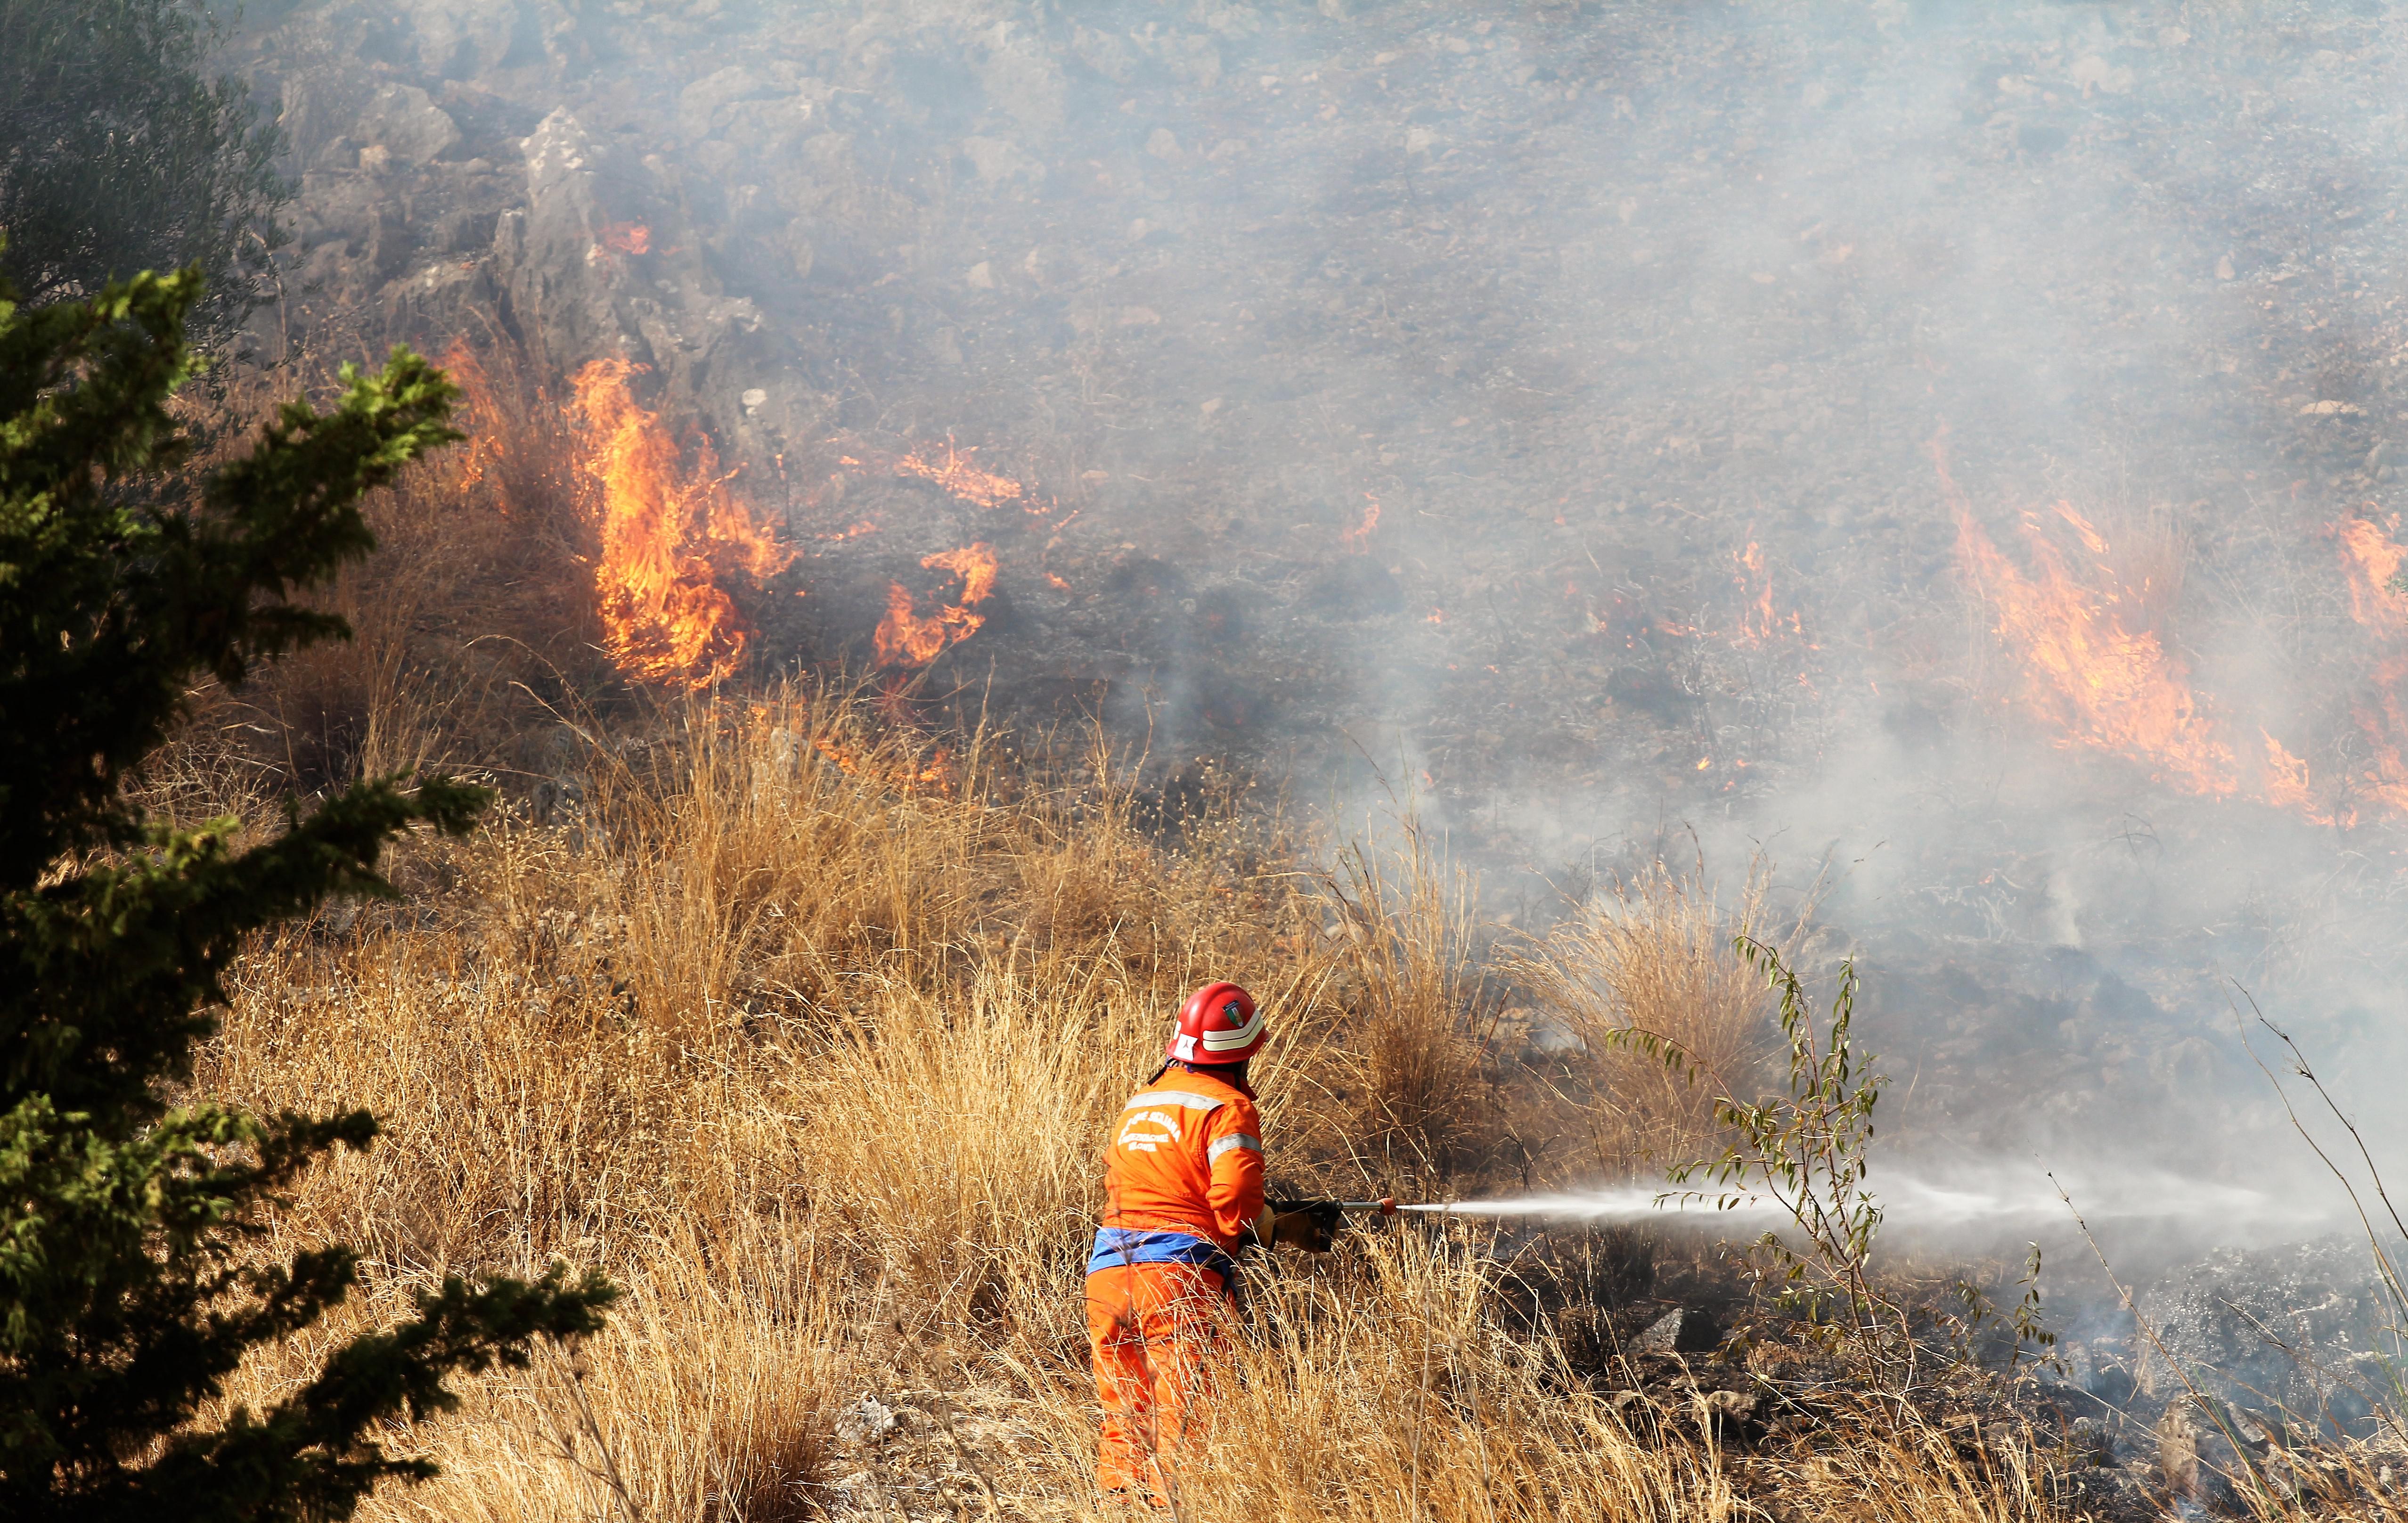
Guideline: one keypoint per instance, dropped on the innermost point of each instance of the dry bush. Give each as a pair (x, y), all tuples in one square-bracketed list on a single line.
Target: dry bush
[(756, 991), (471, 622), (1653, 955), (709, 1398), (1404, 1067)]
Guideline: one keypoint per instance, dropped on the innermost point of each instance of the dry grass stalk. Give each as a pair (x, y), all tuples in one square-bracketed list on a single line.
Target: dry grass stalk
[(1407, 1060), (1654, 954)]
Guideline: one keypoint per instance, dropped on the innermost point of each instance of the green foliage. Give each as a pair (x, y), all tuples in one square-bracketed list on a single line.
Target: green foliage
[(120, 152), (2023, 1322), (130, 1280), (1806, 1151)]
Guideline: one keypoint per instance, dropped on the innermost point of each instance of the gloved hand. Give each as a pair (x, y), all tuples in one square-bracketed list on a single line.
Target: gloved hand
[(1311, 1226)]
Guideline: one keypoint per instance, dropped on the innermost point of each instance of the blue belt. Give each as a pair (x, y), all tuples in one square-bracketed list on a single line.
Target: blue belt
[(1116, 1247)]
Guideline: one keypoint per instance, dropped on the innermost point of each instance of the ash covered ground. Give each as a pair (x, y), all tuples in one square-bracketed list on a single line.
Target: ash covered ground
[(1618, 430)]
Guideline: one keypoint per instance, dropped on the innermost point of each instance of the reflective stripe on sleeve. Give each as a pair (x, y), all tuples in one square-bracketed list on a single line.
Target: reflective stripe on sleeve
[(1187, 1100), (1235, 1140)]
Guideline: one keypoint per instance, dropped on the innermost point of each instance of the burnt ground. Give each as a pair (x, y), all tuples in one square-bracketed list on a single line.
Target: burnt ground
[(1638, 324)]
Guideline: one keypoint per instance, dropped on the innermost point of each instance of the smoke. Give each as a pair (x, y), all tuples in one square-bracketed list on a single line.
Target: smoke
[(1639, 327)]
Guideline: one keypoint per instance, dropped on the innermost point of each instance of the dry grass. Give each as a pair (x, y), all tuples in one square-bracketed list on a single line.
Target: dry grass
[(814, 1055), (1653, 955), (473, 624)]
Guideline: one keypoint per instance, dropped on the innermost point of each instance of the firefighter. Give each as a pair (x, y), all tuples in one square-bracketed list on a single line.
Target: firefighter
[(1183, 1193)]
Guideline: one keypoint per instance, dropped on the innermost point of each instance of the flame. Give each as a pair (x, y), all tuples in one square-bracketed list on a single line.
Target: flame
[(2090, 663), (959, 477), (937, 773), (669, 536), (905, 638), (2372, 561), (1358, 539), (1759, 622), (2290, 786), (2376, 602), (481, 409), (628, 237)]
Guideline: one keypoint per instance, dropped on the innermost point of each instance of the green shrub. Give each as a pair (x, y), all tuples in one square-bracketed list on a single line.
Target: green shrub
[(129, 1284)]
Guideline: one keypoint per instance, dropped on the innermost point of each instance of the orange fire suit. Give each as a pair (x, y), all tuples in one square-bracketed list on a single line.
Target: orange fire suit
[(1183, 1184)]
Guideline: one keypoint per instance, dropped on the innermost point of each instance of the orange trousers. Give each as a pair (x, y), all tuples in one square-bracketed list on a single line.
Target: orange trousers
[(1154, 1330)]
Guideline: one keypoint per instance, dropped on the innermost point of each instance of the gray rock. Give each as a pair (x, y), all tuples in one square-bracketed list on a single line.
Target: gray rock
[(1000, 158), (1106, 54), (1685, 1329), (707, 106), (865, 1421), (563, 282), (318, 107), (405, 122), (458, 39)]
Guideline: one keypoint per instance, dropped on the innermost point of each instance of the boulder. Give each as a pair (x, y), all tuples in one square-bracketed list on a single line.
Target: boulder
[(318, 107), (458, 39), (407, 125), (564, 283), (707, 106), (1001, 159), (1685, 1329)]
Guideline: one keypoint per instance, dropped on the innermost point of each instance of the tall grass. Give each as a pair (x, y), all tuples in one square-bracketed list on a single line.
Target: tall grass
[(812, 1040), (1654, 954)]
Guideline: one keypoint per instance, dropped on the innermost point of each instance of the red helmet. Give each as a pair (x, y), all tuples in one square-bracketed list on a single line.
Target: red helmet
[(1219, 1024)]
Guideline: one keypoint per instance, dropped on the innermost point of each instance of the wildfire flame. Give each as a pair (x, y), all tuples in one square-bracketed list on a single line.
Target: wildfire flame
[(628, 237), (669, 537), (1358, 539), (936, 772), (481, 409), (2372, 562), (960, 477), (907, 639), (2091, 663), (1759, 622)]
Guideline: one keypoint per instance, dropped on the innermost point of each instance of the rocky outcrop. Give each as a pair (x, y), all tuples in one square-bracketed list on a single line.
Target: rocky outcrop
[(404, 124), (600, 260)]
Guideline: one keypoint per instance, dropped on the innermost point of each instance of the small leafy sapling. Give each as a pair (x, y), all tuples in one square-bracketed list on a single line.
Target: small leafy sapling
[(2033, 1338), (1807, 1152)]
